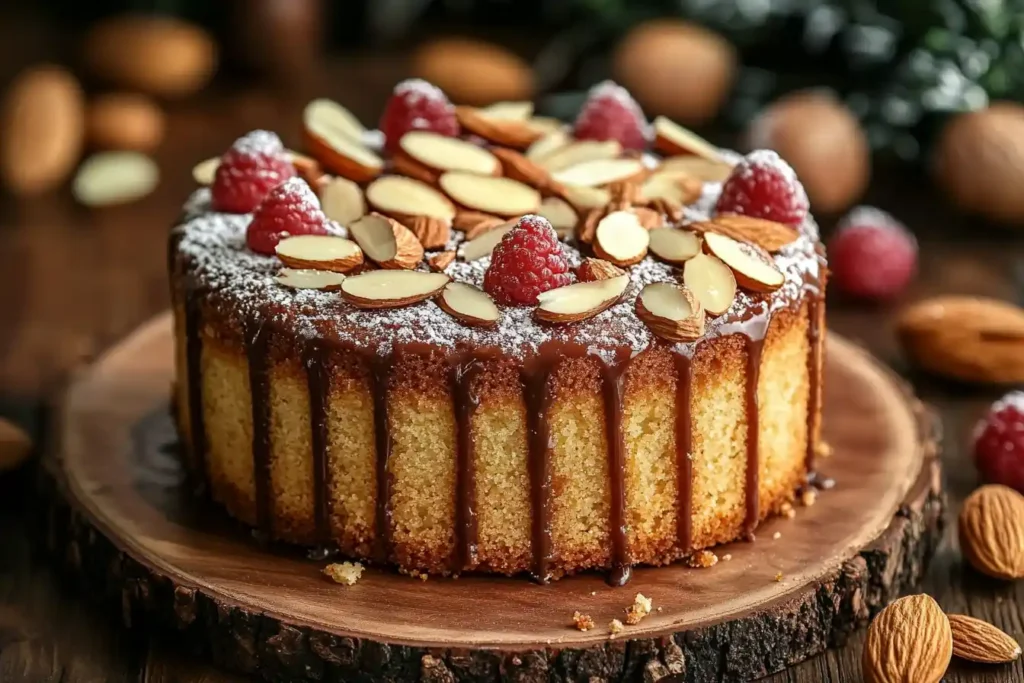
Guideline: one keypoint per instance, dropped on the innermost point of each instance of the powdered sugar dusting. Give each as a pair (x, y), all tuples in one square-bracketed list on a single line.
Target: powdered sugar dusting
[(610, 90), (871, 216), (299, 191), (766, 158), (414, 90), (259, 142)]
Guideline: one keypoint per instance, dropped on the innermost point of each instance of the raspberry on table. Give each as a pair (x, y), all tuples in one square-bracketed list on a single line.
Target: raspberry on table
[(254, 165), (528, 260), (762, 185), (871, 255), (416, 104), (999, 442), (290, 209), (611, 113)]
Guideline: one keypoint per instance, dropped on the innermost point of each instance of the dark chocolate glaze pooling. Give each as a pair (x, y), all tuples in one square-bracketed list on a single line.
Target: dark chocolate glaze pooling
[(464, 373), (538, 401), (256, 335), (611, 382), (318, 384)]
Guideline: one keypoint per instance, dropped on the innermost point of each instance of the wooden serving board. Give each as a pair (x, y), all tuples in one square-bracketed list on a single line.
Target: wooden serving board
[(123, 520)]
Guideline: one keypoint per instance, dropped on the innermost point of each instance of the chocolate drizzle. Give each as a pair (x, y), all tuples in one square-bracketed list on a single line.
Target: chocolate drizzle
[(259, 387), (193, 371), (753, 516), (466, 402), (381, 372), (538, 401), (611, 382), (813, 379), (684, 448), (314, 359)]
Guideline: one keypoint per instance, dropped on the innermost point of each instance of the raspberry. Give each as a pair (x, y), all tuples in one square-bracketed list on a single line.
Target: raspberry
[(999, 442), (255, 165), (416, 105), (872, 255), (290, 209), (527, 261), (611, 113), (764, 186)]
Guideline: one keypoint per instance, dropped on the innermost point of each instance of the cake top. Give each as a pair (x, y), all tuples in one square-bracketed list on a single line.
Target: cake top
[(238, 281)]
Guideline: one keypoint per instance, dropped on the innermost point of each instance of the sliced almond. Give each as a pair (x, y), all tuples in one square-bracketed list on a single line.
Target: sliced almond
[(495, 195), (518, 167), (328, 114), (587, 198), (399, 196), (342, 200), (469, 305), (320, 252), (309, 279), (673, 185), (560, 214), (711, 281), (579, 152), (307, 168), (475, 223), (506, 132), (671, 139), (520, 111), (337, 150), (979, 641), (546, 124), (432, 233), (387, 242), (769, 235), (671, 312), (403, 164), (205, 171), (702, 169), (579, 301), (754, 268), (600, 172), (483, 245), (593, 269), (674, 246), (391, 288), (650, 219), (620, 239), (438, 262), (544, 146), (441, 153), (110, 178)]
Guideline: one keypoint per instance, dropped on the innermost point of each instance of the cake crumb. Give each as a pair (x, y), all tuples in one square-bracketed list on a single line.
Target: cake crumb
[(823, 449), (640, 608), (778, 577), (727, 557), (808, 497), (777, 535), (616, 627), (592, 593), (702, 559), (345, 573), (583, 622), (788, 511)]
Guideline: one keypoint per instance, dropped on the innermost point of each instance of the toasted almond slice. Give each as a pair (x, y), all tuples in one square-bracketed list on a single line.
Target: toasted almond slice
[(579, 301), (469, 305), (671, 312), (387, 242), (328, 114), (438, 262), (600, 172), (441, 153), (711, 281), (593, 269), (309, 279), (307, 168), (110, 178), (432, 233), (205, 171), (496, 195), (483, 245), (518, 167), (391, 288), (560, 214), (508, 110), (506, 132), (754, 268), (396, 195), (673, 185), (338, 152), (544, 146), (620, 239), (342, 200), (320, 252), (671, 139), (546, 124), (403, 164), (579, 152), (674, 246), (650, 219), (703, 169), (587, 198), (769, 235)]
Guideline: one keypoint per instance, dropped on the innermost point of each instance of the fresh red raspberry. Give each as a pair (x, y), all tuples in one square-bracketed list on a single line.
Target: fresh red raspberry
[(416, 105), (611, 113), (871, 255), (290, 209), (254, 165), (999, 442), (764, 186), (528, 260)]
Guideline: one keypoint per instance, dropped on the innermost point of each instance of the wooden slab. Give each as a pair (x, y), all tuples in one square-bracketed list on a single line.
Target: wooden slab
[(124, 522)]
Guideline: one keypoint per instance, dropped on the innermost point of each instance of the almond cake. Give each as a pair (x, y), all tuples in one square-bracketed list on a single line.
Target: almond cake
[(491, 346)]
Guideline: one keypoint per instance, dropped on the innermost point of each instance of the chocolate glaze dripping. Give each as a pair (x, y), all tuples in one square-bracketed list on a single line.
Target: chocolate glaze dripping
[(464, 372), (314, 359), (259, 388), (813, 371), (193, 370), (684, 447), (754, 347), (611, 383), (538, 401), (381, 371)]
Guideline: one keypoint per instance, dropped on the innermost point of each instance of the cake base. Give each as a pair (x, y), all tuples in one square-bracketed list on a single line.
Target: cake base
[(123, 520)]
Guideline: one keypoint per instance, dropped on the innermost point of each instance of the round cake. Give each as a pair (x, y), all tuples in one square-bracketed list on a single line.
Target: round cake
[(387, 384)]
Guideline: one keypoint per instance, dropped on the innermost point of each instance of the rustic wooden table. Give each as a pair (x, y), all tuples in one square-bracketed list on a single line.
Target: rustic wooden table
[(73, 281)]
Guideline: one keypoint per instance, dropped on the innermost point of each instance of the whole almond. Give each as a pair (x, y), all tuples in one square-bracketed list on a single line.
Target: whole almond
[(908, 642), (124, 121), (979, 641), (991, 530), (15, 445), (972, 339), (597, 269)]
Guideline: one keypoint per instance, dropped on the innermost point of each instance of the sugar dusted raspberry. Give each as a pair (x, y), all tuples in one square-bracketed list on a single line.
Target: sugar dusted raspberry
[(528, 260), (871, 255), (611, 113), (764, 186), (416, 105), (999, 442), (290, 209), (254, 165)]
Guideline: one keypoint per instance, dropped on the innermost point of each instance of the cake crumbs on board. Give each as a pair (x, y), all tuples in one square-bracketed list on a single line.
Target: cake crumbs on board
[(345, 573)]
